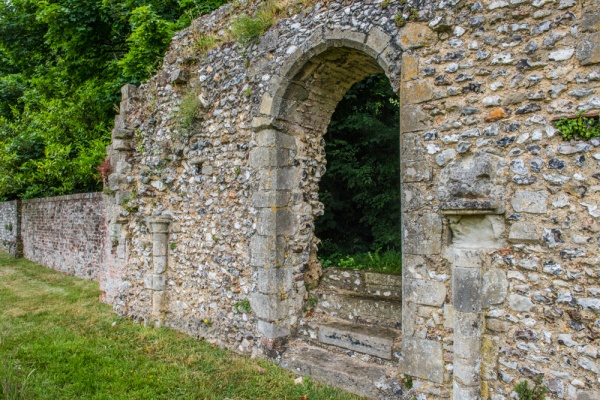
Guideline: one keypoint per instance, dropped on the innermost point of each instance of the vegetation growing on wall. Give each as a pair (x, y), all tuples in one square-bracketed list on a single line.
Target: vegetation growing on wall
[(580, 126), (361, 188), (62, 63)]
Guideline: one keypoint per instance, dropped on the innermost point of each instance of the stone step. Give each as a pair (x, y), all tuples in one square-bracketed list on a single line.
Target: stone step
[(355, 376), (362, 283), (359, 308), (373, 340)]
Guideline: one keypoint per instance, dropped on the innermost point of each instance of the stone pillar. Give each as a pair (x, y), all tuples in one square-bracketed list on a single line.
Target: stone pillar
[(156, 281), (269, 248), (467, 284)]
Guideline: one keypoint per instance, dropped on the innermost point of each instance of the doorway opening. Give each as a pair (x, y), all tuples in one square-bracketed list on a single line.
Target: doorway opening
[(360, 227)]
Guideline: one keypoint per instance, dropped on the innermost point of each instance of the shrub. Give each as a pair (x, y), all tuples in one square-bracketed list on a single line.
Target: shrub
[(248, 29), (537, 392)]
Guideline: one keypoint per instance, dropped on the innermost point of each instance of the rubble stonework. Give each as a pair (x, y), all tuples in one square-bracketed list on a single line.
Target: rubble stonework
[(500, 223)]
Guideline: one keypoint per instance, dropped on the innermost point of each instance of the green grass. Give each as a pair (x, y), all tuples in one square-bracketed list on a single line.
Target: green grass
[(58, 342), (389, 262)]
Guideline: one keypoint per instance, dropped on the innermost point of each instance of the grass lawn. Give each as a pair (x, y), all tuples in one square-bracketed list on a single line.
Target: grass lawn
[(57, 341)]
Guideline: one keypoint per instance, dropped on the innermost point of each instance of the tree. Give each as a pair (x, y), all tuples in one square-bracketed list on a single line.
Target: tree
[(62, 63), (361, 188)]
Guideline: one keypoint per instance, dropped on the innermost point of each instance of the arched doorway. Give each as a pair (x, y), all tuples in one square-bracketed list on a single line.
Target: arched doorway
[(289, 158)]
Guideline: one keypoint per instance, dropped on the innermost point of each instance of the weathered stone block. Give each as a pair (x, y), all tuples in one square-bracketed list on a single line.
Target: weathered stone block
[(412, 198), (269, 307), (463, 392), (160, 264), (274, 280), (416, 171), (273, 222), (415, 92), (489, 357), (477, 231), (270, 198), (588, 49), (467, 372), (424, 292), (414, 35), (273, 138), (377, 40), (415, 363), (267, 251), (155, 281), (495, 287), (413, 266), (372, 340), (467, 335), (422, 234), (467, 289), (271, 330), (413, 119), (523, 232), (410, 66), (530, 201), (464, 258), (411, 148), (481, 176), (159, 245), (261, 157)]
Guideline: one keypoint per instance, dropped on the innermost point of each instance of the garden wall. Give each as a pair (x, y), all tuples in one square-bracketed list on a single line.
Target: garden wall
[(65, 233), (10, 227)]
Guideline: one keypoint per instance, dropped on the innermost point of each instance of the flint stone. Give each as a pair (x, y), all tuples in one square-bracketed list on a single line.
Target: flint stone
[(589, 304), (588, 49)]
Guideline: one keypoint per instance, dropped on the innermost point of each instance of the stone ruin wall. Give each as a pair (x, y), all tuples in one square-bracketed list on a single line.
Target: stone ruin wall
[(10, 227), (500, 215), (65, 233)]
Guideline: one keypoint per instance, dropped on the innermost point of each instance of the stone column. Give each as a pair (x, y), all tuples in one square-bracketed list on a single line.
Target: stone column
[(467, 284), (156, 281), (269, 246)]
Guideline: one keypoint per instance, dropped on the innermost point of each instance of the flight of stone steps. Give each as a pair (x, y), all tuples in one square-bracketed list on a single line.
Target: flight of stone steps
[(351, 337)]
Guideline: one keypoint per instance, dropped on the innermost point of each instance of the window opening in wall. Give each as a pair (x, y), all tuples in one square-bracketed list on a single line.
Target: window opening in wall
[(360, 227)]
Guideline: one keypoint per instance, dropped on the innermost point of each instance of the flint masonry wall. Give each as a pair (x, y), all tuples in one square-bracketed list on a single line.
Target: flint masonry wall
[(500, 215), (10, 227), (65, 233)]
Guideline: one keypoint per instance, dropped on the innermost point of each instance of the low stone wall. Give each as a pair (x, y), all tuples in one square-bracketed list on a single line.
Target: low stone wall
[(65, 233), (10, 227)]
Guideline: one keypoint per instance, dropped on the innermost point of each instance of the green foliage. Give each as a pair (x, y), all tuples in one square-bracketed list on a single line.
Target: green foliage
[(389, 262), (172, 245), (62, 63), (204, 43), (243, 306), (580, 127), (361, 188), (407, 381), (537, 392), (188, 109), (248, 29)]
